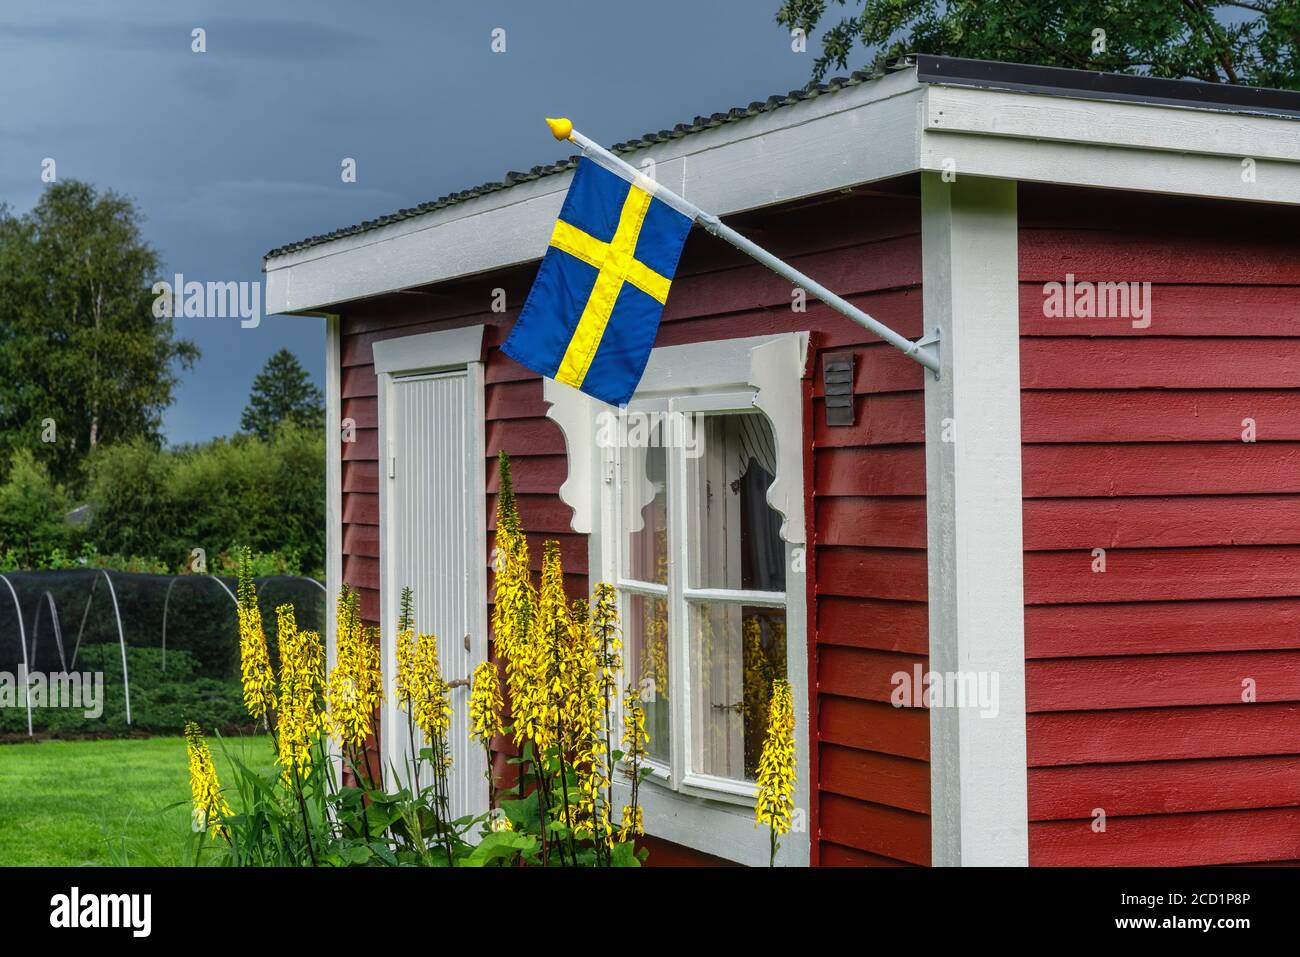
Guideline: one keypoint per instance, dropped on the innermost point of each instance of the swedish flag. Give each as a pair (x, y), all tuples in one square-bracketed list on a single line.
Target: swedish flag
[(591, 317)]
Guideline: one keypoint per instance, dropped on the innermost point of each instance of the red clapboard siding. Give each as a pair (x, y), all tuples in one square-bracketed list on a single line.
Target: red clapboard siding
[(1177, 311), (1184, 415), (1223, 468), (364, 412), (515, 400), (361, 540), (1168, 522), (879, 778), (1134, 443), (896, 470), (1099, 737), (877, 829), (863, 673), (866, 556), (521, 437), (1160, 627), (875, 726), (887, 419), (1247, 571), (872, 623), (835, 855), (872, 573), (1173, 840), (541, 513), (1203, 257), (361, 509), (872, 522), (1155, 681), (1159, 363), (1164, 787)]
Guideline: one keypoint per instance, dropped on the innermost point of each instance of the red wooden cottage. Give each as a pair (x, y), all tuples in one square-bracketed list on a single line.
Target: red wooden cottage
[(1086, 527)]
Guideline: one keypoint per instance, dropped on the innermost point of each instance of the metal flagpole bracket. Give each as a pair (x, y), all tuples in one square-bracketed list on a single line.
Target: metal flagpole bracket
[(924, 351), (928, 346)]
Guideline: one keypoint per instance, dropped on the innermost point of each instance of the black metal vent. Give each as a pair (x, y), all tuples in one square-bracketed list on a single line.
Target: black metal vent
[(837, 373)]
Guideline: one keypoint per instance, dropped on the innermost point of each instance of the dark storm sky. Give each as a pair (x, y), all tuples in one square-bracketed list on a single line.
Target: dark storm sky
[(237, 150)]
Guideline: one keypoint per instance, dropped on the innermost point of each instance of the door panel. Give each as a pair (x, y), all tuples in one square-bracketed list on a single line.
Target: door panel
[(432, 523)]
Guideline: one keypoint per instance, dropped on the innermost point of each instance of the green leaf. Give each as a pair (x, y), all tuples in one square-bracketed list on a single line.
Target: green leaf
[(623, 854), (522, 814), (500, 845), (383, 853), (357, 854)]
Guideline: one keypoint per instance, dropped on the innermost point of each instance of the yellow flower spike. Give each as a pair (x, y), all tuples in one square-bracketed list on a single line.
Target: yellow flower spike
[(355, 686), (514, 598), (299, 719), (254, 660), (635, 739), (543, 693), (403, 681), (485, 703), (210, 808), (430, 702), (775, 805)]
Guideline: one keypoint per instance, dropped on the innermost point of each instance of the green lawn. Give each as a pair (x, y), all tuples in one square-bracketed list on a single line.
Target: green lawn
[(104, 802)]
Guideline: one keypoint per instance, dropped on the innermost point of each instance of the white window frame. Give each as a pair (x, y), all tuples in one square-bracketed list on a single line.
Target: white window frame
[(701, 811)]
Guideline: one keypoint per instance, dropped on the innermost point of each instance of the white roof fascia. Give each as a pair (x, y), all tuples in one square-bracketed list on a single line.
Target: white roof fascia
[(862, 134), (1074, 141)]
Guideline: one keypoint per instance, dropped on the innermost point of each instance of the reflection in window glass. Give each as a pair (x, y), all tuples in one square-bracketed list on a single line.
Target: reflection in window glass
[(737, 652), (645, 510), (739, 533), (645, 631)]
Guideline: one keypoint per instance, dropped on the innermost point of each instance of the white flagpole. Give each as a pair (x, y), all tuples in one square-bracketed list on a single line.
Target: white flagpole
[(925, 350)]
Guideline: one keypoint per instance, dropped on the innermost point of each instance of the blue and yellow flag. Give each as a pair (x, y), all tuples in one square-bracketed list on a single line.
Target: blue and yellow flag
[(591, 317)]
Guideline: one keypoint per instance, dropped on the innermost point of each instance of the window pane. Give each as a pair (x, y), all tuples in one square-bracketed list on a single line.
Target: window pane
[(646, 632), (738, 651), (739, 534), (645, 513)]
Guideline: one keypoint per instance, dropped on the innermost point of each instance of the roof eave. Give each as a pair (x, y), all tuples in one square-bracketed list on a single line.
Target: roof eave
[(905, 122)]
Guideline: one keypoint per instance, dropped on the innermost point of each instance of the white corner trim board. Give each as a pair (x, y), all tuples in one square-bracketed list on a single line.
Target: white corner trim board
[(978, 762), (333, 487)]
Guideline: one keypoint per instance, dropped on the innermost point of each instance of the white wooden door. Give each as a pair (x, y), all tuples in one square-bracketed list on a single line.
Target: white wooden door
[(431, 466)]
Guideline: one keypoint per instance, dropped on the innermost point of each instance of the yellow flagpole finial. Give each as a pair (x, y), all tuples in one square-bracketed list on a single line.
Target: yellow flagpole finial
[(561, 128)]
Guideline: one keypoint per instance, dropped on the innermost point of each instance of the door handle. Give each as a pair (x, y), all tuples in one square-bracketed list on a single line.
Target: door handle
[(458, 683)]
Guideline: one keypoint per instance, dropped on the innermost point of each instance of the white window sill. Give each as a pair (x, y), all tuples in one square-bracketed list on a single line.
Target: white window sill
[(711, 826)]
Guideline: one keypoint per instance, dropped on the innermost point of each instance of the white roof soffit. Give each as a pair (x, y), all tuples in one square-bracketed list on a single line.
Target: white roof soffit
[(862, 134)]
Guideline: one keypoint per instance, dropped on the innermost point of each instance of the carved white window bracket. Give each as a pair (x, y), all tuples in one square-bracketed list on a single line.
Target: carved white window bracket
[(575, 413)]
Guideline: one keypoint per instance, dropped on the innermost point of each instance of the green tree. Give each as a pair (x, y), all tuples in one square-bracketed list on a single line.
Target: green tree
[(130, 489), (282, 392), (83, 359), (163, 503), (33, 513), (1253, 42)]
